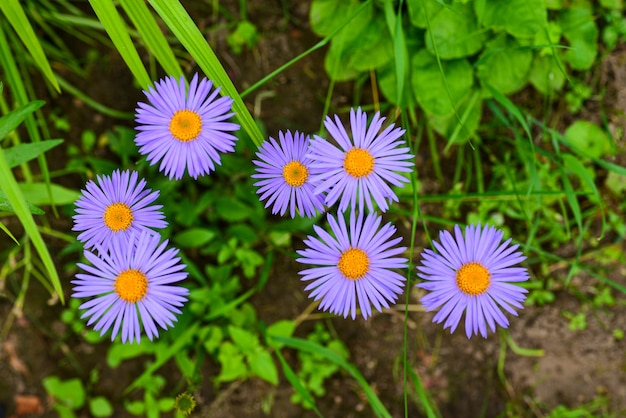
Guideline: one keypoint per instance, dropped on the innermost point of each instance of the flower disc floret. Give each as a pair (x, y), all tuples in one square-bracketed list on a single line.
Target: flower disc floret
[(132, 284), (115, 205), (353, 265), (361, 169), (472, 274), (184, 128)]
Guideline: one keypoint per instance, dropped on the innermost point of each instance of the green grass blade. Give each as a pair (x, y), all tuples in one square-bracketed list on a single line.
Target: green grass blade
[(22, 153), (14, 13), (186, 31), (314, 348), (13, 193), (10, 121), (295, 382), (118, 32), (155, 41)]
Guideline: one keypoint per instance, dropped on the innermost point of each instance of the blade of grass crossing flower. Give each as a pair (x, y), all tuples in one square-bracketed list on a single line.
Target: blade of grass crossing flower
[(314, 348), (14, 13), (118, 32), (13, 193), (186, 31), (295, 382), (156, 42)]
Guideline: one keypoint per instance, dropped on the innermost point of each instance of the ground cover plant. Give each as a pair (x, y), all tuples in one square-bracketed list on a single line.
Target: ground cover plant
[(325, 208)]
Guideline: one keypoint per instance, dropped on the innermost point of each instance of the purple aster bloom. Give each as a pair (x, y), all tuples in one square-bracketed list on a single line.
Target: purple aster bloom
[(470, 274), (354, 264), (185, 128), (363, 166), (286, 176), (131, 282), (115, 205)]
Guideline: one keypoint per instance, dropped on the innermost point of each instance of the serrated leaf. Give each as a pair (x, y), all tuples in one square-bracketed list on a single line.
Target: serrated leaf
[(429, 87), (455, 32), (504, 65), (520, 18)]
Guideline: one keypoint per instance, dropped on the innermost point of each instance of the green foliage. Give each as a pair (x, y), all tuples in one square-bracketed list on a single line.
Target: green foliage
[(245, 35), (315, 368)]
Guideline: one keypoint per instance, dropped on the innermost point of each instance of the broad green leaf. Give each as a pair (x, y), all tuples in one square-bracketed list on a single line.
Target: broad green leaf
[(455, 32), (418, 10), (326, 16), (374, 49), (69, 392), (429, 88), (387, 75), (37, 194), (21, 153), (520, 18), (470, 113), (194, 238), (546, 75), (585, 174), (504, 65), (152, 35), (244, 35), (282, 328), (588, 139), (232, 362), (262, 365), (616, 183), (581, 32), (100, 407), (12, 120), (15, 15), (336, 63), (245, 340), (232, 210), (6, 205)]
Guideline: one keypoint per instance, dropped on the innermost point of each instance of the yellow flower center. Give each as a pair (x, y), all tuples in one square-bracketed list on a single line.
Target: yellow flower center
[(185, 125), (358, 162), (118, 216), (295, 173), (131, 285), (354, 263), (473, 279)]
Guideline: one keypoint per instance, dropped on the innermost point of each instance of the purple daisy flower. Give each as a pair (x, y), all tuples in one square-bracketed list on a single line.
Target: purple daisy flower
[(185, 128), (285, 173), (131, 281), (362, 166), (115, 205), (470, 274), (354, 264)]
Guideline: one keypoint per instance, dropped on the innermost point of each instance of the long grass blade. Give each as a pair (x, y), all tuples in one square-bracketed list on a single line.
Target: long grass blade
[(146, 25), (14, 13), (13, 193), (118, 32), (186, 31), (314, 348)]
